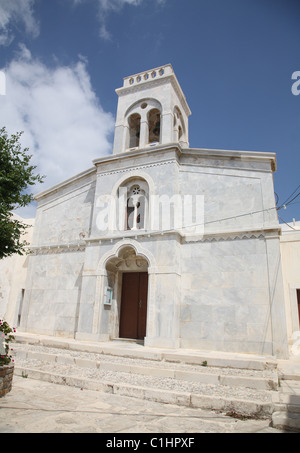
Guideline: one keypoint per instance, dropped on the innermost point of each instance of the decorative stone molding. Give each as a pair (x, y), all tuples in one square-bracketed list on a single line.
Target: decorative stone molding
[(56, 249), (137, 168), (156, 82), (232, 237), (139, 250), (263, 233), (133, 173), (266, 233)]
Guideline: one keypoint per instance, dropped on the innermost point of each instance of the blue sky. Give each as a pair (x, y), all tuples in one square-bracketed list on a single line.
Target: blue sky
[(234, 59)]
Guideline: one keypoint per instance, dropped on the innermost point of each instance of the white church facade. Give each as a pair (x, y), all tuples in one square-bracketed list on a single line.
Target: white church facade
[(173, 246)]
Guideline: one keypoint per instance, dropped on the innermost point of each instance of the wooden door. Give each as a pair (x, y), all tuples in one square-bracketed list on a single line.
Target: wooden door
[(133, 318)]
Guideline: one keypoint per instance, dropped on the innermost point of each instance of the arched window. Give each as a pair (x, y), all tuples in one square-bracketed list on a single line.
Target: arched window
[(132, 205), (135, 208), (154, 125), (179, 132), (134, 130)]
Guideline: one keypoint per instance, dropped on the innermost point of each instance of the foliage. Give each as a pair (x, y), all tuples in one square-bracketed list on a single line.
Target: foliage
[(5, 338), (239, 416), (16, 174)]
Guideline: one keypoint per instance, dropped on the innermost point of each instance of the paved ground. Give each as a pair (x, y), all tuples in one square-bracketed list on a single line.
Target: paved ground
[(40, 407)]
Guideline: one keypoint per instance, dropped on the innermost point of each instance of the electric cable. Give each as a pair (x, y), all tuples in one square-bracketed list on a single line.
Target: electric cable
[(295, 229), (236, 216), (287, 201)]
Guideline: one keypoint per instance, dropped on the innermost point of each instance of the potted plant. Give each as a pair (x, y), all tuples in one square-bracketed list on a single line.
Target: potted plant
[(6, 361)]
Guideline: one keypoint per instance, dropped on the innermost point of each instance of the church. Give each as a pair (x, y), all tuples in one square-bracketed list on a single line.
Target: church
[(160, 243)]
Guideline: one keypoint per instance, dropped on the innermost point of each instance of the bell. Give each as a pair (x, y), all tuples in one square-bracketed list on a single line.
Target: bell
[(156, 129)]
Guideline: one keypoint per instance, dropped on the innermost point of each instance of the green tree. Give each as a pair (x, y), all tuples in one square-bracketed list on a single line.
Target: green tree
[(16, 174)]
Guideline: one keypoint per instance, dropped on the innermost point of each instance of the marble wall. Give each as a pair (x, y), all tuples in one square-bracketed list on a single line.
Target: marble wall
[(225, 297), (217, 289)]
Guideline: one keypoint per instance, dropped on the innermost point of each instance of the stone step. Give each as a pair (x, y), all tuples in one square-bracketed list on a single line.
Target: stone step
[(248, 407), (209, 380), (290, 387), (127, 341), (206, 375), (125, 348), (286, 401), (184, 378), (258, 380), (286, 420)]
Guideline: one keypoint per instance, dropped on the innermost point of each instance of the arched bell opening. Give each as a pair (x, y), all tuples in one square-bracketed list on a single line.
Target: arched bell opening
[(179, 127), (154, 121), (134, 130)]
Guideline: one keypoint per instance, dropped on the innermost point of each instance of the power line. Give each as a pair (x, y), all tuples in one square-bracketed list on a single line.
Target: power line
[(284, 205), (292, 199), (295, 229), (218, 220), (241, 215), (287, 200)]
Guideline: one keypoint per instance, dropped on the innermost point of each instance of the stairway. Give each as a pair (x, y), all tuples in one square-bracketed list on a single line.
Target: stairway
[(241, 384), (286, 413)]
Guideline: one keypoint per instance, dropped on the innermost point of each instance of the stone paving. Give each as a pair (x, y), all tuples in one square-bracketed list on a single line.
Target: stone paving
[(41, 407)]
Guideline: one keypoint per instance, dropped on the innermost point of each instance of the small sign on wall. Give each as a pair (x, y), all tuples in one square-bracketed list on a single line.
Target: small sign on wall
[(108, 295)]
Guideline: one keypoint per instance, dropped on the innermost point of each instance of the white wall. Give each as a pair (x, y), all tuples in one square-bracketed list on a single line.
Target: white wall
[(290, 252), (13, 271)]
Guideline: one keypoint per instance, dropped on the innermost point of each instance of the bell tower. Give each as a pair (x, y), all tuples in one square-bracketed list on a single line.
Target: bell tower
[(152, 111)]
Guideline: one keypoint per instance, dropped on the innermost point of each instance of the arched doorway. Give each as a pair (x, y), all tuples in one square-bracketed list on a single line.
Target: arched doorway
[(133, 316), (127, 274)]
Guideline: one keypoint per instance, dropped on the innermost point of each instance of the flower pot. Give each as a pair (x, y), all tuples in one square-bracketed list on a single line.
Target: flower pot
[(6, 377)]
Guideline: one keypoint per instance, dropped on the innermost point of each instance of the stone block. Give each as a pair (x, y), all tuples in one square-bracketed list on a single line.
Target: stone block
[(43, 356), (85, 363), (65, 360), (148, 371), (203, 378)]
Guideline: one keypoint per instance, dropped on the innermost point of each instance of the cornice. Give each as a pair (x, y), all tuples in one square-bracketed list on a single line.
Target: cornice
[(56, 249), (245, 156), (138, 167), (180, 152), (155, 83), (200, 153), (140, 152), (64, 184), (270, 232)]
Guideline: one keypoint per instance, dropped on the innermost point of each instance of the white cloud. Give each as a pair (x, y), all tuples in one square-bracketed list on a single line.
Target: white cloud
[(15, 12), (64, 124), (105, 7)]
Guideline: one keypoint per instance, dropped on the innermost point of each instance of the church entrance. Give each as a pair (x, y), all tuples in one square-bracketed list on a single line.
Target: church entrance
[(133, 317)]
